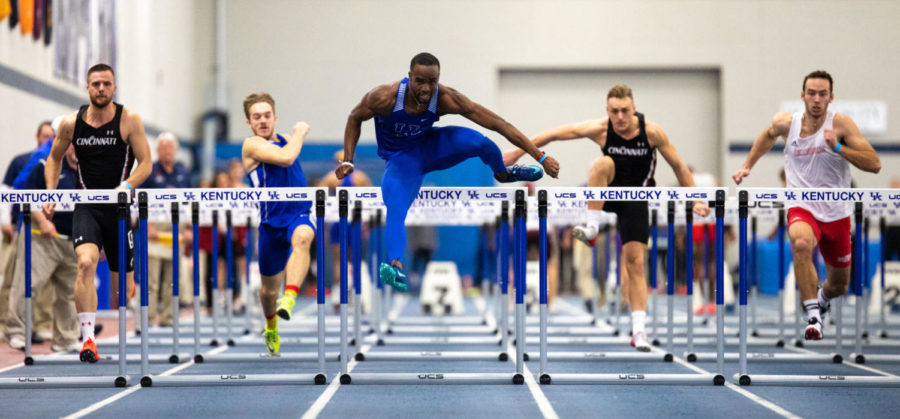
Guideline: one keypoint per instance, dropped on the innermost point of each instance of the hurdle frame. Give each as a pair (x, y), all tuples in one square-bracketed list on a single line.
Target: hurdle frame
[(545, 377), (743, 378), (316, 195), (364, 195), (28, 197)]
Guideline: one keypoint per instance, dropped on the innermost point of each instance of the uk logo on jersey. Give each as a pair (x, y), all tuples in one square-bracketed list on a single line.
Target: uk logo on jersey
[(407, 130)]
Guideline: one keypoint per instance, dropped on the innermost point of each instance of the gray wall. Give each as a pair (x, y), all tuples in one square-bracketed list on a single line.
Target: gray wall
[(319, 57), (164, 67)]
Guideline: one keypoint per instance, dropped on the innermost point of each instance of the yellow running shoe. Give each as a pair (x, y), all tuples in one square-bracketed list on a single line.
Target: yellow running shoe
[(272, 341), (285, 307)]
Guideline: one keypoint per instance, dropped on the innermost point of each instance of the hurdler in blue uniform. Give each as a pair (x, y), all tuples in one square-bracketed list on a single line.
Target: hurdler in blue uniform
[(286, 228), (404, 113)]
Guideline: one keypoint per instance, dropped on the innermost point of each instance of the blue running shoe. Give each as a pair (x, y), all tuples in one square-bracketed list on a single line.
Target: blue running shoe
[(393, 276), (517, 173)]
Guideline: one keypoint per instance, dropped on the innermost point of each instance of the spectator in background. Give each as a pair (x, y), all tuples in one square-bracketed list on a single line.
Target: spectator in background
[(238, 176), (9, 218), (239, 237), (583, 262), (53, 263), (167, 173), (704, 235)]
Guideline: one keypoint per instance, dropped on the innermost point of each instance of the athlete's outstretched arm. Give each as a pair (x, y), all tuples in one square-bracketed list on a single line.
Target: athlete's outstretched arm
[(658, 138), (453, 102), (781, 124), (258, 150), (378, 100), (53, 164), (137, 139), (854, 147), (591, 129)]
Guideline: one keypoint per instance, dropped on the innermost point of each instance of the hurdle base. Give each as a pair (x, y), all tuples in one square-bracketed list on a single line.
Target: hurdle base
[(203, 380), (768, 357), (432, 378), (265, 357), (818, 380), (640, 379), (440, 340), (109, 359), (64, 382), (606, 356), (877, 358), (251, 341), (433, 356)]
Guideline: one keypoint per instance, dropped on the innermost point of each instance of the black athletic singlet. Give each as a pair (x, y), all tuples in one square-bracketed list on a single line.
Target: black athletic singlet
[(635, 160), (104, 160)]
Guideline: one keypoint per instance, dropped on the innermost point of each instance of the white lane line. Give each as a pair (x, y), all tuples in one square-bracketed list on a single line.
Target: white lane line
[(12, 367), (845, 362), (753, 397), (109, 400), (335, 384), (533, 387)]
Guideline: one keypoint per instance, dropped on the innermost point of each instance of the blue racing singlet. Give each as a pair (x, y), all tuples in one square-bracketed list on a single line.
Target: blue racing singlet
[(399, 130), (282, 213)]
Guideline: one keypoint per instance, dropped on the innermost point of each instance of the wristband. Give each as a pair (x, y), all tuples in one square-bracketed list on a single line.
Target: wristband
[(125, 182), (838, 148), (347, 163), (543, 157)]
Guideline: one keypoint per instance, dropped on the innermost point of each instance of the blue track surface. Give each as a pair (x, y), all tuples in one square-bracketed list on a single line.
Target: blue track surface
[(476, 401)]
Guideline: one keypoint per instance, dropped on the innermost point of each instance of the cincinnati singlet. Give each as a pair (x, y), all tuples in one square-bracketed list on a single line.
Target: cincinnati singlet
[(104, 160), (398, 130), (635, 159), (635, 163)]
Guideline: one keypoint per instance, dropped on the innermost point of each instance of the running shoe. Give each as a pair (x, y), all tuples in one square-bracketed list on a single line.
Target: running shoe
[(17, 342), (813, 329), (393, 276), (521, 173), (89, 352), (285, 307), (639, 342), (273, 342), (586, 233)]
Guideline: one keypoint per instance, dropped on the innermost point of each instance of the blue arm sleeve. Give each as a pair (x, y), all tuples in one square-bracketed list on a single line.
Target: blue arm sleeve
[(40, 154)]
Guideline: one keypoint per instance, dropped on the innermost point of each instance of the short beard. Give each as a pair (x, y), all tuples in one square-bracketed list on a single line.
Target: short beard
[(100, 105)]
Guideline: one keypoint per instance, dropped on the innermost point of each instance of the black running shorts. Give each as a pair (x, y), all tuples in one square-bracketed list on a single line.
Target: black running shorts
[(99, 224), (632, 219)]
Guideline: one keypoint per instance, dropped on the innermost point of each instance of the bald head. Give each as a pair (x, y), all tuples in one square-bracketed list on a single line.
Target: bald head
[(166, 149)]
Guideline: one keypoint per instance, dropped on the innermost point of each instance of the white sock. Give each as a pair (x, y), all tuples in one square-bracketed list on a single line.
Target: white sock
[(87, 325), (812, 309), (823, 300), (594, 217), (638, 318)]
